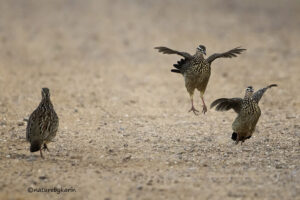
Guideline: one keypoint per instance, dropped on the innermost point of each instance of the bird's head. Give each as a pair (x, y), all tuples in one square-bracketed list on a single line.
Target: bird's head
[(45, 93), (201, 49), (249, 91)]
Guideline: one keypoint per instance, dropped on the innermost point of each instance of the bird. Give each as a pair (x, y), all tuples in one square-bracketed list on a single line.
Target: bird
[(247, 109), (196, 69), (42, 124)]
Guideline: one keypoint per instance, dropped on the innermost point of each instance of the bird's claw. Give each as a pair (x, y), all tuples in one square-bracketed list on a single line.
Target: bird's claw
[(45, 148), (204, 109), (195, 111)]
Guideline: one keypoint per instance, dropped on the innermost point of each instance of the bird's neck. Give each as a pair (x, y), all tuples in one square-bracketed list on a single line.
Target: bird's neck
[(199, 54), (46, 102), (248, 96)]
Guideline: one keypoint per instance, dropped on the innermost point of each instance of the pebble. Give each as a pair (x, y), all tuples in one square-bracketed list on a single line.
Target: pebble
[(150, 182), (110, 150), (127, 158), (21, 123), (289, 116), (43, 177), (279, 166), (3, 123)]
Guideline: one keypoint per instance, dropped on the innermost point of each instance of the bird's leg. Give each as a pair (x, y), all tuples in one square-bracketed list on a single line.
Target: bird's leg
[(41, 153), (237, 139), (242, 141), (45, 147), (195, 111), (204, 106)]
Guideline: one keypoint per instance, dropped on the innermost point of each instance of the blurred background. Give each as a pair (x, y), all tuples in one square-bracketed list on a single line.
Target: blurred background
[(51, 42), (105, 78)]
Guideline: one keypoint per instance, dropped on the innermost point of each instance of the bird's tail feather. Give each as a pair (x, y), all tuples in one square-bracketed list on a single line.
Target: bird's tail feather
[(272, 85), (234, 136), (175, 70), (180, 63), (35, 146)]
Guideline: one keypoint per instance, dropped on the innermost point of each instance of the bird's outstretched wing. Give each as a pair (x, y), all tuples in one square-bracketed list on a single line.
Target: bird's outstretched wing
[(225, 104), (229, 54), (259, 93), (166, 50)]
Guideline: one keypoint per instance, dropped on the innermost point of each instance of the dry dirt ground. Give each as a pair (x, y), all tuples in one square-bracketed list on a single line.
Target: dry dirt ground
[(125, 132)]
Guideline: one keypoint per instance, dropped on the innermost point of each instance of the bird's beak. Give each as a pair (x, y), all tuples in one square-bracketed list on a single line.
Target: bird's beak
[(204, 52)]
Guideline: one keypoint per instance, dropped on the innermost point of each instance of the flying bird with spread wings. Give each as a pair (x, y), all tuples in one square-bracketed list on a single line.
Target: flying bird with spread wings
[(196, 69)]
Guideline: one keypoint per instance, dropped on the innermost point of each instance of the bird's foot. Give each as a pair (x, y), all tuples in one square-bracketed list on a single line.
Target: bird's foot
[(204, 109), (45, 148), (41, 154), (242, 141), (195, 111)]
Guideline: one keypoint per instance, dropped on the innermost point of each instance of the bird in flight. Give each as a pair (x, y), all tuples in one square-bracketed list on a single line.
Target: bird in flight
[(196, 69)]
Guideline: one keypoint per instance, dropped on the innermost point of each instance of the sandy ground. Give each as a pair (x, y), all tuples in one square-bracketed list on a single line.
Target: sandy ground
[(125, 132)]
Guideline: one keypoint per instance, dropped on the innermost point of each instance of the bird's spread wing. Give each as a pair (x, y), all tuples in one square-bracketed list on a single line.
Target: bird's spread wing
[(181, 63), (259, 93), (229, 54), (166, 50), (224, 104)]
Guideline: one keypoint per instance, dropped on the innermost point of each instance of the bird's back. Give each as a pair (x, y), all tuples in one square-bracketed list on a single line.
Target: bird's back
[(248, 117), (42, 124), (33, 129)]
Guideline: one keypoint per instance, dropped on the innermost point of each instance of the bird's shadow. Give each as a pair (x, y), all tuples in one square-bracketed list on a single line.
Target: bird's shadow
[(22, 156)]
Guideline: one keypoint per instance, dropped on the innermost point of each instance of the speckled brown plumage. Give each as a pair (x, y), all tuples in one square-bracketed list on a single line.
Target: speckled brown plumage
[(247, 109), (42, 124), (196, 69)]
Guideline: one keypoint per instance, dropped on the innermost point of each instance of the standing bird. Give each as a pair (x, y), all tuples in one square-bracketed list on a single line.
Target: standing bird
[(196, 69), (247, 109), (42, 124)]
